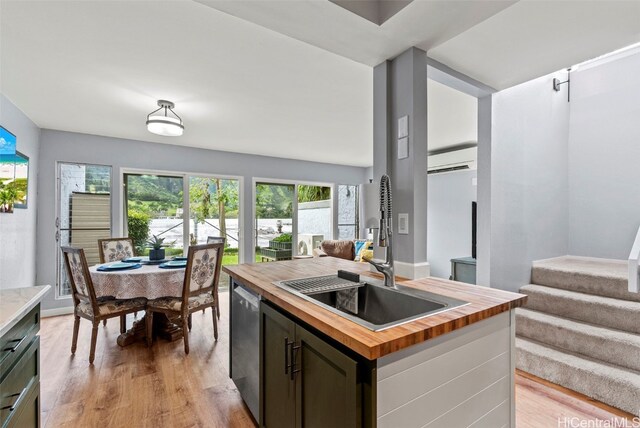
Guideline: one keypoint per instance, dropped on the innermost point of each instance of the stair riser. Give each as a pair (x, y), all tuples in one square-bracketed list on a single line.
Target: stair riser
[(583, 283), (609, 350), (599, 387), (593, 313)]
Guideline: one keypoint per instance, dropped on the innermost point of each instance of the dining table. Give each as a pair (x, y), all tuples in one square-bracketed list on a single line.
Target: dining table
[(147, 280)]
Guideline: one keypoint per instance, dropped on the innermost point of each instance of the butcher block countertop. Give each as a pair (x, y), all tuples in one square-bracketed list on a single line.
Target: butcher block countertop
[(484, 303)]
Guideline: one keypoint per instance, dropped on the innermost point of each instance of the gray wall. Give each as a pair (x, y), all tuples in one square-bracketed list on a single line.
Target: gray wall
[(409, 98), (529, 179), (400, 89), (18, 230), (604, 158), (449, 219), (120, 153), (483, 246)]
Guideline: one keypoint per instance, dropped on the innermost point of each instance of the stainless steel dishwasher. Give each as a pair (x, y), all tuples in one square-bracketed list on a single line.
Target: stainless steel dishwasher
[(245, 345)]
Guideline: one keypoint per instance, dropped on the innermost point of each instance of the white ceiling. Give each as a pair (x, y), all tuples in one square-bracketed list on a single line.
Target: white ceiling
[(288, 78), (533, 38), (98, 67), (331, 27), (499, 43)]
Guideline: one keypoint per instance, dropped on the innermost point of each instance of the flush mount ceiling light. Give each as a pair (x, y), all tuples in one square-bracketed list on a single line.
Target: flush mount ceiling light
[(167, 122)]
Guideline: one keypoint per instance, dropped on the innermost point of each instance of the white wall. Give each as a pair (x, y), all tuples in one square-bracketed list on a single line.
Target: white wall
[(449, 219), (315, 218), (18, 230), (121, 153), (529, 179), (604, 158)]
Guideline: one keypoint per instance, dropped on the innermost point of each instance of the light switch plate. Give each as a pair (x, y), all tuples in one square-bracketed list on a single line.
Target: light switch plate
[(403, 148), (403, 224), (403, 127)]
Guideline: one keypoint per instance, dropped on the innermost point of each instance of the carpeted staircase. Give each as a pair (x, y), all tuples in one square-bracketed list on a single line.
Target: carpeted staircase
[(580, 329)]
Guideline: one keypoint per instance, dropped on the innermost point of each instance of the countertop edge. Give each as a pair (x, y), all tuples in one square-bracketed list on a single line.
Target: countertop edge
[(381, 349), (25, 308)]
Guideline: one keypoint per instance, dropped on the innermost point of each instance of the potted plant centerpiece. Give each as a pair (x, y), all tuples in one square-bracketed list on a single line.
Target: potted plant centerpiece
[(156, 252)]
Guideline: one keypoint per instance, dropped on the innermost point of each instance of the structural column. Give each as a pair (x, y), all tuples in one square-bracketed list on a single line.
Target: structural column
[(400, 150)]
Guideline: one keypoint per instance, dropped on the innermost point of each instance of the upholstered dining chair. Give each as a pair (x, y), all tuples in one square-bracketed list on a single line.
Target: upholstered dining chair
[(115, 249), (215, 240), (199, 290), (86, 305)]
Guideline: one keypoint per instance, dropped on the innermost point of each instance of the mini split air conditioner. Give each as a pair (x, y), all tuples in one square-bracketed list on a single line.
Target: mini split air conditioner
[(307, 243), (453, 161)]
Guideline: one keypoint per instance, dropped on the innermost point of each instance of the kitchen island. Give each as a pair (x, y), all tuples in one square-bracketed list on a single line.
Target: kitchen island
[(453, 368)]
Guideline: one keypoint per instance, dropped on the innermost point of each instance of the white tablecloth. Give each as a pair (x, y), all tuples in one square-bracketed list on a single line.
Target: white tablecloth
[(149, 281)]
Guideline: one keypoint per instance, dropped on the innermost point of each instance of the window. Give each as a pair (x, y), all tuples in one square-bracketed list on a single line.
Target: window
[(291, 219), (314, 218), (348, 212), (274, 221), (156, 204), (84, 213)]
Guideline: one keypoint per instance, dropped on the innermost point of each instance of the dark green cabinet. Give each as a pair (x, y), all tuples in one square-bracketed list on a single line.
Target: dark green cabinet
[(20, 373), (277, 388), (305, 381)]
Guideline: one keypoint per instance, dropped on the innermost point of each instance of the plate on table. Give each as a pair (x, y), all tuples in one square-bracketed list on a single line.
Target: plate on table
[(180, 258), (132, 260), (174, 264), (118, 266)]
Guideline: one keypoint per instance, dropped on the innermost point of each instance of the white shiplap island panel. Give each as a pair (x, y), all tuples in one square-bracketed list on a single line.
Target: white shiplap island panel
[(463, 379)]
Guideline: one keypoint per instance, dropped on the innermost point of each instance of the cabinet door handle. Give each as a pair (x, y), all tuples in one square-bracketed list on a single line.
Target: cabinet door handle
[(286, 355), (292, 357), (16, 346), (15, 403)]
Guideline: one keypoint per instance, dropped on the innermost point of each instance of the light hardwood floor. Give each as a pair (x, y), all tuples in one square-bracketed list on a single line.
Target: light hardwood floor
[(162, 387)]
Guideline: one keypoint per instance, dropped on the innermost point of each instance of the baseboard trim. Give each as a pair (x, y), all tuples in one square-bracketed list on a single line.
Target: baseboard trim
[(412, 270), (45, 313)]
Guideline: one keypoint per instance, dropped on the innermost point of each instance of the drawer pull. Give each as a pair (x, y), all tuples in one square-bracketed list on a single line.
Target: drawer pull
[(292, 358), (15, 403), (16, 346), (286, 355)]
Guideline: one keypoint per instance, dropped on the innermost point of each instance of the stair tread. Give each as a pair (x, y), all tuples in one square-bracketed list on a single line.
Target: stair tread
[(580, 326), (620, 374), (607, 268), (611, 384), (584, 297)]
